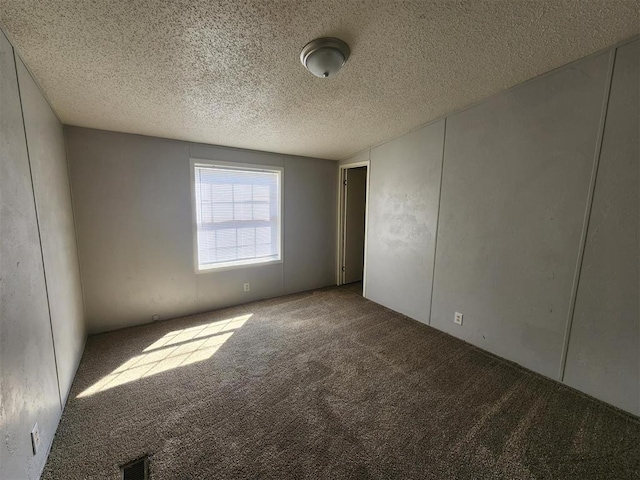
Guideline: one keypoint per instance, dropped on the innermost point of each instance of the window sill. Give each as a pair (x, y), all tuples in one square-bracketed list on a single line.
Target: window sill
[(235, 266)]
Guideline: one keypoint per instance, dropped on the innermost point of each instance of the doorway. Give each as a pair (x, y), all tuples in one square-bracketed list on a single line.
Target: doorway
[(354, 187)]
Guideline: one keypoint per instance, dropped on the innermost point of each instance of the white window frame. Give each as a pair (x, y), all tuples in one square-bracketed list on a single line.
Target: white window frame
[(195, 162)]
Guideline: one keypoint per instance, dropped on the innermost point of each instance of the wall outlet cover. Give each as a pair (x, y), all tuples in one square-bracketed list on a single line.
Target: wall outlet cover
[(155, 318), (458, 318), (247, 287)]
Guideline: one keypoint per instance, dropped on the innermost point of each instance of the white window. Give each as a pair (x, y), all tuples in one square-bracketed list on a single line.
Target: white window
[(237, 214)]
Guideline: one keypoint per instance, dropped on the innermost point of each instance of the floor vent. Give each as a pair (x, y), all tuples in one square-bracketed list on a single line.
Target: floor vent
[(136, 470)]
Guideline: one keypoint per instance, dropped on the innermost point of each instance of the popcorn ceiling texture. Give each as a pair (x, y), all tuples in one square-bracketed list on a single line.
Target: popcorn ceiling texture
[(228, 72)]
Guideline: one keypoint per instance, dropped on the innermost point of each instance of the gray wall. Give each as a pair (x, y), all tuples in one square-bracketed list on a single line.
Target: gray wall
[(309, 223), (514, 189), (48, 158), (41, 319), (511, 206), (604, 349), (132, 197), (404, 185)]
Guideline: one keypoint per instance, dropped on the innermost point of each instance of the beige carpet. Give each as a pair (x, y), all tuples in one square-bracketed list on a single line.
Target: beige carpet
[(326, 385)]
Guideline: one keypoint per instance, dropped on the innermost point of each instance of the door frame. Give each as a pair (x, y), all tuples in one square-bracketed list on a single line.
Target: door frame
[(340, 237)]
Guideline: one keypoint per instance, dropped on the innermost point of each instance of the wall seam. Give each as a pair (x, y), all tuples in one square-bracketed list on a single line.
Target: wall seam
[(75, 231), (587, 215), (366, 224), (435, 242), (35, 207), (282, 226), (194, 253)]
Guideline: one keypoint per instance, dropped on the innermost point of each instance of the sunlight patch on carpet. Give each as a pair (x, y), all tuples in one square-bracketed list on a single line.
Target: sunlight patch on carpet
[(178, 348)]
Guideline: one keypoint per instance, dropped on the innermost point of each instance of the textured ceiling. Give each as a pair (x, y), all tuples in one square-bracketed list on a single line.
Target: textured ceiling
[(228, 72)]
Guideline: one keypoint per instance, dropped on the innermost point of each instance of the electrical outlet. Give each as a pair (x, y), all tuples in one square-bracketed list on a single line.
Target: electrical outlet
[(155, 318), (35, 438), (457, 319), (247, 287)]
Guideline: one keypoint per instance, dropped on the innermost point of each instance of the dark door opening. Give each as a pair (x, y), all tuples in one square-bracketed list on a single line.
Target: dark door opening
[(354, 186)]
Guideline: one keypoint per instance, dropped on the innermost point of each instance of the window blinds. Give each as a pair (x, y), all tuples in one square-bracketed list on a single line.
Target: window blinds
[(237, 215)]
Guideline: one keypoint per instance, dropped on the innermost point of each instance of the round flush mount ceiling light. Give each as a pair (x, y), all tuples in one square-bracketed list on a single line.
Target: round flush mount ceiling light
[(324, 56)]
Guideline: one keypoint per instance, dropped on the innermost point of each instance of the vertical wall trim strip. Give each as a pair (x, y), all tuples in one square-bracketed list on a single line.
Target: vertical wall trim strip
[(366, 225), (435, 241), (35, 207), (587, 215), (282, 225), (75, 233)]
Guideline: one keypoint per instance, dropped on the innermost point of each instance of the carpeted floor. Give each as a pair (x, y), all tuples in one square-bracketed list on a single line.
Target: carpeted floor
[(326, 385)]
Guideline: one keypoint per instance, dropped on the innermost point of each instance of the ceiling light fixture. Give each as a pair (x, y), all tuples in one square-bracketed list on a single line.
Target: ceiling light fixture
[(324, 57)]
